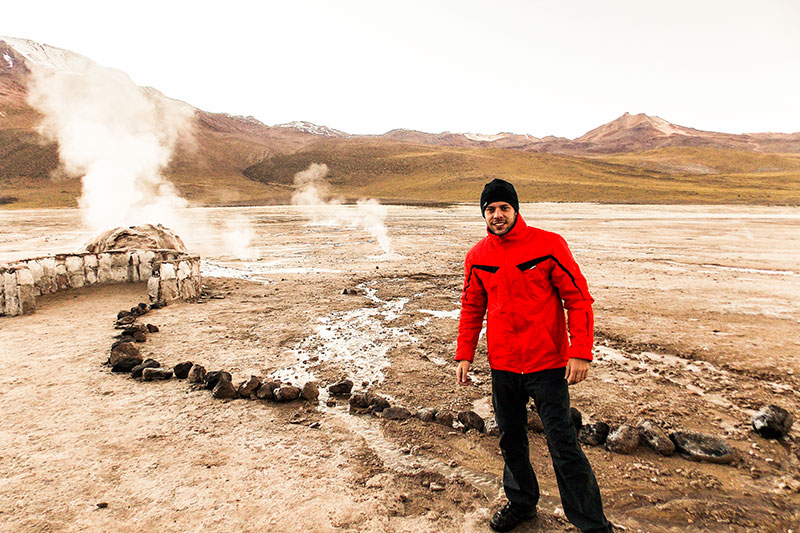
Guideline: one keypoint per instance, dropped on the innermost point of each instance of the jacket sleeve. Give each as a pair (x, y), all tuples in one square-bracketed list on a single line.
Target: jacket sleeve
[(573, 290), (473, 309)]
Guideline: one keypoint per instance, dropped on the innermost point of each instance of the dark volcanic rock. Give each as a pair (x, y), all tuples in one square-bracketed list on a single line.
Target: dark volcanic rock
[(126, 364), (157, 305), (267, 390), (123, 314), (594, 434), (129, 319), (378, 404), (152, 374), (224, 389), (701, 447), (656, 438), (396, 413), (124, 356), (310, 392), (181, 370), (213, 378), (360, 400), (286, 393), (426, 415), (577, 418), (624, 439), (248, 387), (471, 420), (444, 417), (122, 339), (143, 307), (136, 372), (773, 422), (349, 291), (197, 374), (152, 328), (341, 388), (138, 336)]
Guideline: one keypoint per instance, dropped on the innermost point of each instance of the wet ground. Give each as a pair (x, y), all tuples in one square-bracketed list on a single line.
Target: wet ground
[(697, 326)]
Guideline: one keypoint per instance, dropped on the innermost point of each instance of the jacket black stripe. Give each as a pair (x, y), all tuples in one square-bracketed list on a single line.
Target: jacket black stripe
[(533, 262)]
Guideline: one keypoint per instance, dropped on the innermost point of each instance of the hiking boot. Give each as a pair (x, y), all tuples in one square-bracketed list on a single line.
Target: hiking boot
[(510, 516)]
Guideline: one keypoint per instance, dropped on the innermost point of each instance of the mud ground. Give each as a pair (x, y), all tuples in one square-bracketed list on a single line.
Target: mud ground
[(696, 327)]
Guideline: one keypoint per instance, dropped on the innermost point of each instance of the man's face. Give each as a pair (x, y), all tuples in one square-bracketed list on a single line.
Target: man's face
[(500, 217)]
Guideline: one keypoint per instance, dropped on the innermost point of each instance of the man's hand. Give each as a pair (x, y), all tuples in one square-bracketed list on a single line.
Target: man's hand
[(462, 373), (577, 369)]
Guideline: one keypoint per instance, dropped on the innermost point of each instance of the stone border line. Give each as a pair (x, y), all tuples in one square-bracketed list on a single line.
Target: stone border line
[(170, 276)]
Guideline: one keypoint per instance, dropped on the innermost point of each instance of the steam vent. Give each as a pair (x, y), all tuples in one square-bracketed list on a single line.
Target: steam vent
[(152, 254)]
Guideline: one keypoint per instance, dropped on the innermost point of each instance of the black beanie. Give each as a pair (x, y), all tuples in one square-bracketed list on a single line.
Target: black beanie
[(499, 190)]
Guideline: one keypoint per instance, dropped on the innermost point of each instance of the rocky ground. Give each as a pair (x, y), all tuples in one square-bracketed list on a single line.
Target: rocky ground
[(696, 323)]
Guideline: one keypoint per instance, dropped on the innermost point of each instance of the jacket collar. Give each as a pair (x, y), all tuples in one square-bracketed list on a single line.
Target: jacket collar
[(514, 234)]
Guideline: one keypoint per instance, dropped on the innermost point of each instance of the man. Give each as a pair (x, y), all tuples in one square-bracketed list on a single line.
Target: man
[(521, 275)]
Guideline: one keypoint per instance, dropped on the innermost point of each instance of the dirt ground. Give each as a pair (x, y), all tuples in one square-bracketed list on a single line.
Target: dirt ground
[(696, 327)]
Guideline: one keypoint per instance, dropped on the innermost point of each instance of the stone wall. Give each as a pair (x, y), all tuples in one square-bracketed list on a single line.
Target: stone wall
[(170, 276)]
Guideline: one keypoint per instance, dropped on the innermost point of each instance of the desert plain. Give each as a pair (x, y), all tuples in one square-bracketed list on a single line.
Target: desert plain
[(697, 326)]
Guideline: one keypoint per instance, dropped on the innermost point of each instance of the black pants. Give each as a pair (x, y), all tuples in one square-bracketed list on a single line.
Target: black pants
[(580, 495)]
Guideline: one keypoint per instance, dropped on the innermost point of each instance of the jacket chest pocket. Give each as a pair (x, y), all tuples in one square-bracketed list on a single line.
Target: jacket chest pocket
[(535, 277)]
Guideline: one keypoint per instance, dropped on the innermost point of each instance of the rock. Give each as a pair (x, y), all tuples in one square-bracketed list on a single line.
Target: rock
[(143, 308), (213, 378), (152, 328), (349, 291), (773, 422), (144, 237), (702, 447), (656, 438), (360, 400), (426, 415), (135, 311), (224, 389), (123, 313), (396, 413), (152, 374), (128, 319), (138, 336), (248, 387), (594, 434), (124, 356), (341, 388), (444, 418), (136, 372), (577, 418), (122, 339), (310, 392), (471, 420), (378, 404), (181, 370), (492, 429), (535, 421), (624, 439), (157, 305), (266, 391), (435, 487), (197, 374), (286, 393)]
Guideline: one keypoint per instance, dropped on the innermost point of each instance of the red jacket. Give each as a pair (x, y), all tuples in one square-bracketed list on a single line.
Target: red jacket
[(522, 278)]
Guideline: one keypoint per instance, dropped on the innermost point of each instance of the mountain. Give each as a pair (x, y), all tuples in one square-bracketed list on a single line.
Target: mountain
[(240, 160)]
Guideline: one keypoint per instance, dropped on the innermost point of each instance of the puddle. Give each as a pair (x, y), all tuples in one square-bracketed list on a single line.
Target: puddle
[(255, 271)]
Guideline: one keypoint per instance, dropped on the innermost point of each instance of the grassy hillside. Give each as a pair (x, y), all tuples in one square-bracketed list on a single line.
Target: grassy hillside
[(401, 172)]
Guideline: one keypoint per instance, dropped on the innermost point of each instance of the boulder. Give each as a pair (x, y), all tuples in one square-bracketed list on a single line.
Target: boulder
[(123, 313), (224, 389), (396, 413), (181, 370), (211, 379), (152, 374), (124, 356), (360, 400), (702, 447), (197, 374), (310, 392), (594, 434), (471, 420), (378, 404), (286, 393), (152, 328), (138, 336), (656, 438), (266, 391), (342, 388), (624, 439), (426, 415), (773, 422), (444, 417), (248, 387), (136, 372)]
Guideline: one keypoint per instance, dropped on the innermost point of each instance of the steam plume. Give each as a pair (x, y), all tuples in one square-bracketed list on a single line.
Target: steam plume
[(312, 189)]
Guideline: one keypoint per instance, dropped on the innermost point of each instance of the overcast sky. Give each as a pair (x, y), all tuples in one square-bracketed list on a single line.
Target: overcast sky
[(538, 67)]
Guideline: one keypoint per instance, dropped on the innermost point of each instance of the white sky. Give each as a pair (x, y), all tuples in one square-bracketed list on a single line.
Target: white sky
[(539, 67)]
